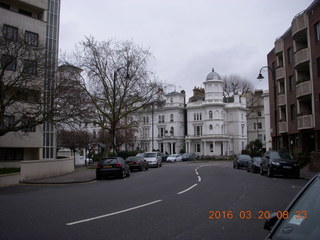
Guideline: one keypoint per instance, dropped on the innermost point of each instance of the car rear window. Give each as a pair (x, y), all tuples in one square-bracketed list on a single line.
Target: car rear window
[(150, 155), (109, 161), (132, 159), (245, 157), (281, 155)]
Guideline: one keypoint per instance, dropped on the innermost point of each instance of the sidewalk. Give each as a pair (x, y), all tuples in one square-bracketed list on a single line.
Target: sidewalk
[(85, 174), (80, 175)]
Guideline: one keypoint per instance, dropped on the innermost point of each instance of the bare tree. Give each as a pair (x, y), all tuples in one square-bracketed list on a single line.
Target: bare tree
[(21, 83), (117, 80), (236, 85), (23, 102)]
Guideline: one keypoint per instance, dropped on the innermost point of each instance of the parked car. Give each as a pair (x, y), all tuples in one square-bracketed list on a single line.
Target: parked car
[(301, 218), (241, 161), (174, 158), (279, 162), (140, 155), (254, 165), (113, 166), (189, 157), (137, 162), (164, 157), (153, 159)]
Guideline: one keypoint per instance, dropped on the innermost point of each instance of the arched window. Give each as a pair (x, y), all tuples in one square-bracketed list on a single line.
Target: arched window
[(172, 131), (210, 127), (159, 118), (171, 117), (163, 118), (210, 114)]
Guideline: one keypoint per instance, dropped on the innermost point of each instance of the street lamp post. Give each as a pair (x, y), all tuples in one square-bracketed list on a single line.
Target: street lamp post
[(260, 77)]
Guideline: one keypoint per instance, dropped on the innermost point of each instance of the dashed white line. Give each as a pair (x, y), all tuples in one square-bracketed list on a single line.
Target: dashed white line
[(187, 189), (199, 179), (111, 214)]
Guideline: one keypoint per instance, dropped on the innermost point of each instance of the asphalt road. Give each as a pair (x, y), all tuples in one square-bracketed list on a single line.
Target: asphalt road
[(172, 202)]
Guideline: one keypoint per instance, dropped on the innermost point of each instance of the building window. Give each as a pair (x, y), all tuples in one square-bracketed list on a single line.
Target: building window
[(10, 32), (259, 124), (30, 67), (198, 130), (8, 62), (291, 83), (172, 131), (260, 137), (242, 129), (210, 114), (210, 127), (317, 31), (194, 116), (290, 55), (29, 123), (198, 147), (162, 118), (259, 113), (31, 38), (25, 12), (7, 122), (318, 66), (211, 147), (171, 117), (293, 111)]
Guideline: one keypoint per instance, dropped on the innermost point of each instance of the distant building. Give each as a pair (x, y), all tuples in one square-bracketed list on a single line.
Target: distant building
[(206, 125), (38, 21), (257, 114), (295, 94)]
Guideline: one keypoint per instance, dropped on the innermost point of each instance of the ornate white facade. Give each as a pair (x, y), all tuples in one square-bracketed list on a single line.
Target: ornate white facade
[(206, 125)]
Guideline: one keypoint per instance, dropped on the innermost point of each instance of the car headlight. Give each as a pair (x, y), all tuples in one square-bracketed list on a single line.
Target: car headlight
[(275, 163)]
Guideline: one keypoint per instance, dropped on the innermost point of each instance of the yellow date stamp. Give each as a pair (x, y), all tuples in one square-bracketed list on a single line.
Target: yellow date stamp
[(248, 214)]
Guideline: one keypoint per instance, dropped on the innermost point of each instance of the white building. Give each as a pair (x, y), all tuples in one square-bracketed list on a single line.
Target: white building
[(214, 126), (206, 125)]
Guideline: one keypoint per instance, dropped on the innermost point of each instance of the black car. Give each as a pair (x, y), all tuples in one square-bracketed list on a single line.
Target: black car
[(189, 157), (254, 165), (279, 162), (241, 161), (137, 162), (114, 166), (301, 218)]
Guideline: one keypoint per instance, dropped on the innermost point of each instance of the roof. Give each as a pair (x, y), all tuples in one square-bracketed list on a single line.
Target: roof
[(213, 76)]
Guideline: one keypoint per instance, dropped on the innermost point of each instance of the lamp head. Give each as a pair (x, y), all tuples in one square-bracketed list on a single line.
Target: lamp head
[(260, 76)]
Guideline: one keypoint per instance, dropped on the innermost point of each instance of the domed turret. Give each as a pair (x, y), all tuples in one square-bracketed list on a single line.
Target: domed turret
[(213, 76), (213, 87)]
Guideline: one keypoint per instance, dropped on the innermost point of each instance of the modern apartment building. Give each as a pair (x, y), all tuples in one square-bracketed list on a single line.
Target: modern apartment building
[(295, 89), (36, 22)]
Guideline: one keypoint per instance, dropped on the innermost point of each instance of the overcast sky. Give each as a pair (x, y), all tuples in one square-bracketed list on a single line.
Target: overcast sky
[(186, 37)]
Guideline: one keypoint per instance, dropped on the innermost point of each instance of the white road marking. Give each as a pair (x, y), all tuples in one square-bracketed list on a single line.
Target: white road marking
[(187, 189), (111, 214), (199, 179)]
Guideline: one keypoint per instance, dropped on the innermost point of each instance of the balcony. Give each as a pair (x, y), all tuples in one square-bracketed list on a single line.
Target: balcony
[(299, 23), (301, 56), (281, 99), (303, 88), (283, 127), (280, 73), (278, 46), (305, 122)]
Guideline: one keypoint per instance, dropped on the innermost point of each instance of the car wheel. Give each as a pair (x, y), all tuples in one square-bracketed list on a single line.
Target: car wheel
[(238, 166), (141, 168), (147, 167), (128, 174), (261, 171), (123, 175), (269, 172)]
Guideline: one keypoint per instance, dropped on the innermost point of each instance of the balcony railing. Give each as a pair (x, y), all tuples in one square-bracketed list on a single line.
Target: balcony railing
[(301, 56), (305, 122), (278, 46), (299, 23), (283, 127), (303, 88), (280, 73), (281, 99)]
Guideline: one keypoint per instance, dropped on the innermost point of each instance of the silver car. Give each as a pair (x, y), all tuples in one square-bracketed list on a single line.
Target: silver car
[(153, 159)]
